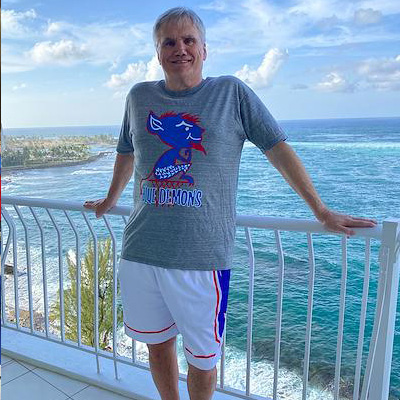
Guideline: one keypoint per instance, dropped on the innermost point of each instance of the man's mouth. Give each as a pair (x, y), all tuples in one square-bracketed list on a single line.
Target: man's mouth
[(181, 61)]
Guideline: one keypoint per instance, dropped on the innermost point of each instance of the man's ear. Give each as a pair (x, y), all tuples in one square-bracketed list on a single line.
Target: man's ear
[(154, 124), (158, 56), (204, 52)]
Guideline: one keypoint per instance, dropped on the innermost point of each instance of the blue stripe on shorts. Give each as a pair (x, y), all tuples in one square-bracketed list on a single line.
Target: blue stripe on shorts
[(223, 279)]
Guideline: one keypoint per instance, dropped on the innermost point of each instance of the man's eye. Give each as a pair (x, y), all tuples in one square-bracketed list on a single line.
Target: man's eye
[(169, 43), (189, 41)]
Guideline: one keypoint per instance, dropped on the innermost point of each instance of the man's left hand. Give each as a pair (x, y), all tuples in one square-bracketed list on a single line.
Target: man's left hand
[(342, 223)]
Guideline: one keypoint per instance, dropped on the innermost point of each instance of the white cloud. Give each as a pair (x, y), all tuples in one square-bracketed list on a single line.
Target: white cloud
[(54, 28), (263, 75), (299, 86), (19, 87), (314, 9), (114, 65), (367, 16), (136, 72), (14, 66), (108, 43), (62, 42), (12, 61), (365, 10), (382, 74), (154, 70), (217, 5), (375, 73), (334, 82), (249, 26), (387, 7), (63, 52), (14, 24)]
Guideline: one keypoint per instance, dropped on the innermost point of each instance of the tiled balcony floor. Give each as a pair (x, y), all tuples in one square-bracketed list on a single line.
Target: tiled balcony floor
[(24, 381)]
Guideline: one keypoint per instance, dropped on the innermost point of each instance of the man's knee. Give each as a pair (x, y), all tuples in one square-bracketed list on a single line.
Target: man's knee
[(161, 348), (204, 372)]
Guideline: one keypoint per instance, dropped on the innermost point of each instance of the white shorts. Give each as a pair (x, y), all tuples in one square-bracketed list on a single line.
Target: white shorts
[(158, 303)]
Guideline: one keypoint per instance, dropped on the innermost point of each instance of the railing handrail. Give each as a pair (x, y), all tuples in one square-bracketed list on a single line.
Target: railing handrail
[(251, 221), (376, 382)]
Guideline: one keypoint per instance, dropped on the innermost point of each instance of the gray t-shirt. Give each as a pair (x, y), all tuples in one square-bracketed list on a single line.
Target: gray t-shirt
[(187, 147)]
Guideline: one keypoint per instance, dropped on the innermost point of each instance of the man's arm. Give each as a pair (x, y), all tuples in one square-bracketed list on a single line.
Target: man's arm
[(123, 169), (285, 160)]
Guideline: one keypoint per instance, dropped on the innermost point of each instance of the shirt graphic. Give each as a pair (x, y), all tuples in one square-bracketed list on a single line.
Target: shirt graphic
[(183, 134)]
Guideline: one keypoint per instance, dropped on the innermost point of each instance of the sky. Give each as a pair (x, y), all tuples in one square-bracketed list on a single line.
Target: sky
[(72, 63)]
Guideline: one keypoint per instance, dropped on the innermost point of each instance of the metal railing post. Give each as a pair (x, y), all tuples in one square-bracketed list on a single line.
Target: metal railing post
[(377, 375)]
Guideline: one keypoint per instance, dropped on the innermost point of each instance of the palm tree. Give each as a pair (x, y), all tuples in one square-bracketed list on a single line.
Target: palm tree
[(87, 296)]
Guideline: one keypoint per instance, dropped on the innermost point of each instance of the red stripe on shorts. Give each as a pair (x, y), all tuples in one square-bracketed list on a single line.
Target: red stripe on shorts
[(216, 309), (209, 356), (162, 330)]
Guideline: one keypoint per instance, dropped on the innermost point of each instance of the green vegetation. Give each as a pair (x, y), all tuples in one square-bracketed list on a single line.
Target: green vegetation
[(16, 141), (29, 156), (87, 297), (30, 152)]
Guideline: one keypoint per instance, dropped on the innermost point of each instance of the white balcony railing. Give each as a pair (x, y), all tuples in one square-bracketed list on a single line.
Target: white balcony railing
[(28, 224)]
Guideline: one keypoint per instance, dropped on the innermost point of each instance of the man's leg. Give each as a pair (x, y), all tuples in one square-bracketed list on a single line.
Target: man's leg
[(201, 383), (164, 368)]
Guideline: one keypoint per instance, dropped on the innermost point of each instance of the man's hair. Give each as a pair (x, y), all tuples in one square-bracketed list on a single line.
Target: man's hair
[(178, 14)]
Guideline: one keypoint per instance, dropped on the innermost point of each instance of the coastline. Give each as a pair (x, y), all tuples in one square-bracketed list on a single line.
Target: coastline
[(7, 170)]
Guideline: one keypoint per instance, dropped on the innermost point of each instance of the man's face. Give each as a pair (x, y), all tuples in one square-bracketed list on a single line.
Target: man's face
[(181, 52)]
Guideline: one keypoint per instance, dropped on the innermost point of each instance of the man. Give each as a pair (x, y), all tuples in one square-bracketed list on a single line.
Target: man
[(184, 137)]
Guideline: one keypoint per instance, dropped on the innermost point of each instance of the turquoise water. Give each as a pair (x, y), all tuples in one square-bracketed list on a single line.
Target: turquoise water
[(355, 167)]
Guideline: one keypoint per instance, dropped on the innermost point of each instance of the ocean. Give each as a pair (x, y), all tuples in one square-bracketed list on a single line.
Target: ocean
[(354, 164)]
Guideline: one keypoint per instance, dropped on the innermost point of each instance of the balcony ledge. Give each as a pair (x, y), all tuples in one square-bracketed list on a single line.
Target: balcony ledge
[(133, 382)]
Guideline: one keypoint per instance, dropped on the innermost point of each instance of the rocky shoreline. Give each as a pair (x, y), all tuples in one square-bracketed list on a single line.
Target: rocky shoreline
[(7, 170)]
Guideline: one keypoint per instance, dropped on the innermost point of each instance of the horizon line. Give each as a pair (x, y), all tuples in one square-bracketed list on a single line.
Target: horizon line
[(279, 120)]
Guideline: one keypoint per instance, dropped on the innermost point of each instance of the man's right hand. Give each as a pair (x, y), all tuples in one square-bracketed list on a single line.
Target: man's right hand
[(123, 169), (101, 206)]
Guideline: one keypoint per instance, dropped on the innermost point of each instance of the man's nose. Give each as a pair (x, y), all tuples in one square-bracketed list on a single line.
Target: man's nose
[(180, 48)]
